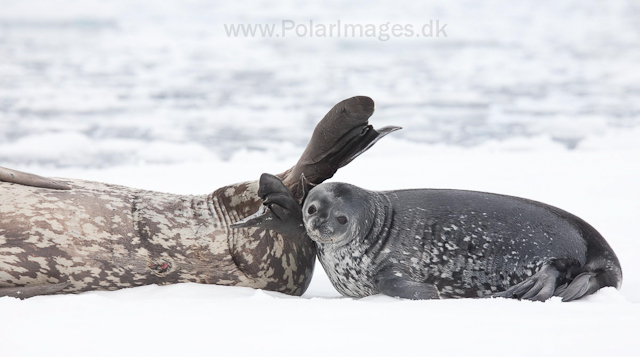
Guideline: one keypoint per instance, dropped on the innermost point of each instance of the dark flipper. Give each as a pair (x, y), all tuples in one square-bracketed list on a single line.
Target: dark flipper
[(280, 211), (396, 284), (23, 178), (558, 279), (343, 134), (582, 285), (601, 269), (539, 287), (25, 292)]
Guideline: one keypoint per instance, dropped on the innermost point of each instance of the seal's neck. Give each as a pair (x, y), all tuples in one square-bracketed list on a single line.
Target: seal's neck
[(377, 238)]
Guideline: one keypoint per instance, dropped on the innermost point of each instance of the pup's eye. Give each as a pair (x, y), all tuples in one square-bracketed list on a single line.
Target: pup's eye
[(342, 220), (312, 209)]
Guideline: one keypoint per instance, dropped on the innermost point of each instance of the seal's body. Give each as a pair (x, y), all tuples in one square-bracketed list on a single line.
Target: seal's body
[(71, 235), (428, 244), (453, 244), (100, 236)]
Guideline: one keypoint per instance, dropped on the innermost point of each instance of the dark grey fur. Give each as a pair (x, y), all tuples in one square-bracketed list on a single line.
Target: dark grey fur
[(427, 244)]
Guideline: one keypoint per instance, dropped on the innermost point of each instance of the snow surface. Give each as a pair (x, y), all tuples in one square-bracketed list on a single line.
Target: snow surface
[(598, 185), (539, 99)]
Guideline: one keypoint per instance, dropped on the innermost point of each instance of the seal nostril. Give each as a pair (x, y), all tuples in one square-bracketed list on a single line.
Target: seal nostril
[(312, 209)]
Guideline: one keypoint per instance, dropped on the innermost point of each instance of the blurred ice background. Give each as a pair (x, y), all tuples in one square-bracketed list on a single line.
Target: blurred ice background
[(539, 99), (130, 81)]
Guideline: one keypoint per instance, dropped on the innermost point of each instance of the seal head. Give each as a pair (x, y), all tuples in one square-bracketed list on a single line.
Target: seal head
[(338, 213)]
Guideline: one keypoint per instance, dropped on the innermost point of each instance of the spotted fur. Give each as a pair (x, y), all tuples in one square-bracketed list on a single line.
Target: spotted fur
[(461, 243)]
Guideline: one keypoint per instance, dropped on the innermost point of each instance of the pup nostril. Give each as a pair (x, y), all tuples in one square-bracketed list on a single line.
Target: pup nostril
[(317, 223), (312, 209)]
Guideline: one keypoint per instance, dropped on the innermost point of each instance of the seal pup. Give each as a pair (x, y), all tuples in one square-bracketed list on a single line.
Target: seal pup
[(432, 243), (69, 236)]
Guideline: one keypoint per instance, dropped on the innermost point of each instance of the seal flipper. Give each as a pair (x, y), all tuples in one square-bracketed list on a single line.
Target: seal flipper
[(279, 212), (538, 287), (25, 292), (395, 284), (582, 285), (23, 178), (342, 135), (354, 146), (553, 279)]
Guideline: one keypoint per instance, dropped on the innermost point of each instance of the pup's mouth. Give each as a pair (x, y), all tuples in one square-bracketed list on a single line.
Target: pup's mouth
[(323, 234)]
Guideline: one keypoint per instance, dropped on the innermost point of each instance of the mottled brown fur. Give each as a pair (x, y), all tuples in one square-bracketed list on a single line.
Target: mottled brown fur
[(105, 237), (98, 236)]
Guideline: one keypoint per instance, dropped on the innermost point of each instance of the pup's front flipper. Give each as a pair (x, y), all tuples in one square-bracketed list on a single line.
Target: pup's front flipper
[(279, 212), (396, 284), (25, 292)]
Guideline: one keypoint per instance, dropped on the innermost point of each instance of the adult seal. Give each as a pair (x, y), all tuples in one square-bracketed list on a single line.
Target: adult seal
[(69, 236), (430, 243)]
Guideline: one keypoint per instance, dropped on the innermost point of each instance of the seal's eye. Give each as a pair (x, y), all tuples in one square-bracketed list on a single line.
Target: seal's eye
[(342, 220), (312, 209)]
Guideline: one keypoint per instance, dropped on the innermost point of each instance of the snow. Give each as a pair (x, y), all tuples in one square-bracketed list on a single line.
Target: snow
[(191, 319), (533, 99), (211, 320)]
